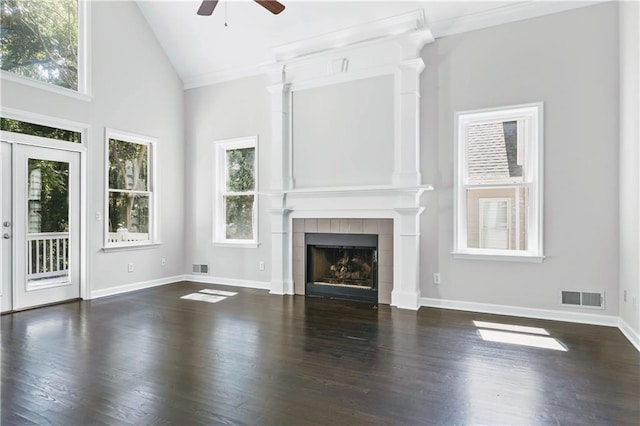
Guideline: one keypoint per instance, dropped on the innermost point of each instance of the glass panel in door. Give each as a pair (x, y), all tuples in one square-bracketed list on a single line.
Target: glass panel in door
[(46, 194)]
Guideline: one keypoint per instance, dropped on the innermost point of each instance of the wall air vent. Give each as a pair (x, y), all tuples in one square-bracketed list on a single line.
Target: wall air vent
[(583, 299), (200, 269)]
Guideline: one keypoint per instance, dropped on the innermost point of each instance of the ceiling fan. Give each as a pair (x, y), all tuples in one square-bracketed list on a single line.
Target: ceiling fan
[(207, 6)]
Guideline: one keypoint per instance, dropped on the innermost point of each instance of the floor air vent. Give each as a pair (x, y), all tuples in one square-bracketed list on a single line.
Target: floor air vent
[(583, 299), (200, 269)]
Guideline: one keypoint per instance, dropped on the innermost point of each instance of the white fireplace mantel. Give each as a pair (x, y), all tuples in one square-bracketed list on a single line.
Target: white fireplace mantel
[(388, 47)]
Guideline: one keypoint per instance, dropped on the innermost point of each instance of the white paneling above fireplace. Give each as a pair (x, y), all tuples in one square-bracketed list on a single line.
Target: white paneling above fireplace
[(343, 134)]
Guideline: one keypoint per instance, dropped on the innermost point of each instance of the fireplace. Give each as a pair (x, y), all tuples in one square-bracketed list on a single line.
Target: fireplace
[(342, 266)]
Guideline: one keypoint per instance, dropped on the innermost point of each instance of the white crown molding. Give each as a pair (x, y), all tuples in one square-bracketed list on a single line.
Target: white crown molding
[(392, 26), (222, 76), (504, 15)]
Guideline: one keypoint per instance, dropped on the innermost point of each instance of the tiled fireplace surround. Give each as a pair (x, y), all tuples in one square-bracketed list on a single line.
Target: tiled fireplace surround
[(383, 228), (391, 211)]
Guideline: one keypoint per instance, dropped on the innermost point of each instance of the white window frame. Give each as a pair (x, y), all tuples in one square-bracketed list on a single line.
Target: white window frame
[(152, 190), (84, 62), (530, 141), (219, 219)]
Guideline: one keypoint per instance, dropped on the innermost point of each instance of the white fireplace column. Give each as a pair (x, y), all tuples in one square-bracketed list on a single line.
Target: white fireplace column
[(281, 280), (406, 263)]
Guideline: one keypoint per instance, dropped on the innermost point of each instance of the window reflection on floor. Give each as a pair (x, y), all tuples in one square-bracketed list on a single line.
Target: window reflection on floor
[(518, 335)]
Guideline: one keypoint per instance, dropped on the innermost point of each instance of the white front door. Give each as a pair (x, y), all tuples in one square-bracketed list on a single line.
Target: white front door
[(45, 228)]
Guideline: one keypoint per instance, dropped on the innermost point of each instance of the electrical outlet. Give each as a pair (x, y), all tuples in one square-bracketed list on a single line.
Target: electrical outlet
[(163, 261), (130, 267), (261, 265), (436, 277), (98, 216)]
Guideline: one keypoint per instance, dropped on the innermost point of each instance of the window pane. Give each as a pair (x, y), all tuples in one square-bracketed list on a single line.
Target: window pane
[(48, 196), (128, 167), (25, 128), (39, 39), (128, 217), (492, 153), (239, 217), (497, 218), (240, 173)]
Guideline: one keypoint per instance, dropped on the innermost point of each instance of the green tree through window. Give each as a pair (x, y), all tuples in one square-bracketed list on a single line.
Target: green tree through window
[(39, 40)]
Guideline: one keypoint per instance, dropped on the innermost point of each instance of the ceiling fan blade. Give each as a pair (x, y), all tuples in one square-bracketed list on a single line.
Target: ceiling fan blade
[(207, 6), (272, 6)]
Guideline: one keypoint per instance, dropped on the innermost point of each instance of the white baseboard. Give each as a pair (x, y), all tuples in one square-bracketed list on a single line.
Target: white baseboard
[(547, 314), (206, 279), (630, 334), (95, 294)]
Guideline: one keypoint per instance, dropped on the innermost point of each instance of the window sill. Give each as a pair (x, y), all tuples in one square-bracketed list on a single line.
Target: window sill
[(499, 257), (229, 244), (126, 247), (30, 82)]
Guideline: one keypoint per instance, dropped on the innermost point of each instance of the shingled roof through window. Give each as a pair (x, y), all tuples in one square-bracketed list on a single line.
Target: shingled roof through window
[(492, 153)]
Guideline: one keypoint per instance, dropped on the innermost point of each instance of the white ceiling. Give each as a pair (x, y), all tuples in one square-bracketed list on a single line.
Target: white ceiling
[(203, 49)]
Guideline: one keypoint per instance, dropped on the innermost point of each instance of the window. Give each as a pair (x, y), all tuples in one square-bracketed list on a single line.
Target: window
[(499, 182), (23, 127), (236, 192), (130, 189), (42, 40)]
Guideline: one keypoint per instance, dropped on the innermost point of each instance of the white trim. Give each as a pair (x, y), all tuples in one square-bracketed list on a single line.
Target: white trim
[(547, 314), (151, 192), (235, 244), (391, 26), (631, 335), (84, 150), (506, 257), (83, 92), (45, 120), (41, 85), (261, 285), (96, 294), (195, 81), (84, 49), (129, 246), (504, 15), (531, 117), (220, 148)]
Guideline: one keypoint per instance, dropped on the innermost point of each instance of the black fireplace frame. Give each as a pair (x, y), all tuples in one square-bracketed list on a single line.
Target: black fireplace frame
[(342, 241)]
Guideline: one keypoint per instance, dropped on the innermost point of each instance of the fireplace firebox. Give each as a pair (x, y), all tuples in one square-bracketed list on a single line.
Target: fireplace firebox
[(342, 266)]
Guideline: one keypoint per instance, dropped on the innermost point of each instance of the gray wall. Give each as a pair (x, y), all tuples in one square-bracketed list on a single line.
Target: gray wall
[(343, 134), (135, 89), (224, 111), (630, 164), (570, 62)]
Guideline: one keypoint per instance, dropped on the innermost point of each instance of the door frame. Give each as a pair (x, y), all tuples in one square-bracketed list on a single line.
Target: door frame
[(83, 148)]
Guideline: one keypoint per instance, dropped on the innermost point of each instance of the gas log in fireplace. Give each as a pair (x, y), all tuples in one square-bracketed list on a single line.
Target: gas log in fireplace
[(342, 266)]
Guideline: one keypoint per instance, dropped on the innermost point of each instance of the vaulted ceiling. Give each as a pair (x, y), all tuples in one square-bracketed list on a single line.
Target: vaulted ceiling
[(203, 49)]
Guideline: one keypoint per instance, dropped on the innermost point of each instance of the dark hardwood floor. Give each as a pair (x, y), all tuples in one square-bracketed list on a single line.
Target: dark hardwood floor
[(151, 358)]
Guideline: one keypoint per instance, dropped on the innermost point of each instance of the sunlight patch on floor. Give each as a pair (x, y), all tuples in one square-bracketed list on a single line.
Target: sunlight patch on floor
[(209, 295), (509, 327), (534, 337)]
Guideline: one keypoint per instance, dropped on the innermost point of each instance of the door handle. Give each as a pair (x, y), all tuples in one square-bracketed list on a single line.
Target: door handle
[(6, 236)]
